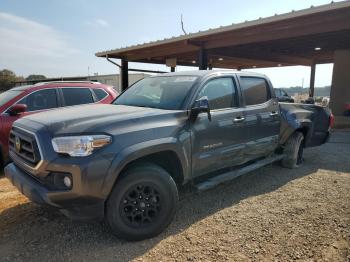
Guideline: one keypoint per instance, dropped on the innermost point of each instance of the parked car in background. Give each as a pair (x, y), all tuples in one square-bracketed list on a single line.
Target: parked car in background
[(283, 96), (25, 100)]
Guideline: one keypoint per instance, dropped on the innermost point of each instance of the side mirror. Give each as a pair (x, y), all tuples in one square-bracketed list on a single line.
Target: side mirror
[(200, 106), (17, 109)]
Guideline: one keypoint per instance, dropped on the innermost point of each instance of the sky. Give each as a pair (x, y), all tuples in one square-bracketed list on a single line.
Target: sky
[(60, 37)]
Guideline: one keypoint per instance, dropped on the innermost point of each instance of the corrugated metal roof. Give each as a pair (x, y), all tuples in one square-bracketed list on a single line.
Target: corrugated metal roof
[(260, 21)]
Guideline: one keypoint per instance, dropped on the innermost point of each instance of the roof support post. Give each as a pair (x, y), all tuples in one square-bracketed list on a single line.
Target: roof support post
[(203, 59), (312, 79), (124, 74), (340, 91)]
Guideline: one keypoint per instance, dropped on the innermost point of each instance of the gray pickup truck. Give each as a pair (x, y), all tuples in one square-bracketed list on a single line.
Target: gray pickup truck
[(123, 163)]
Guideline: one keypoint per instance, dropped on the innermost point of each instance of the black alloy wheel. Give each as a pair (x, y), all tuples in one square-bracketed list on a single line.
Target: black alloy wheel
[(142, 203)]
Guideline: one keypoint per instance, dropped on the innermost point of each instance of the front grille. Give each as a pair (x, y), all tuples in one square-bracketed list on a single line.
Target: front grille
[(25, 146)]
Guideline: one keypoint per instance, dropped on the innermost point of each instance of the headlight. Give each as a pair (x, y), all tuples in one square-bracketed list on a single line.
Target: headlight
[(79, 145)]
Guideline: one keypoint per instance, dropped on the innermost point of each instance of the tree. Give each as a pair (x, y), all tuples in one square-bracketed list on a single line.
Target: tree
[(35, 77), (7, 79)]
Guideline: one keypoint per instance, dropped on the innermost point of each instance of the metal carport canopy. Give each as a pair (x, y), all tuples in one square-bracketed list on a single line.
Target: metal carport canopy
[(280, 40)]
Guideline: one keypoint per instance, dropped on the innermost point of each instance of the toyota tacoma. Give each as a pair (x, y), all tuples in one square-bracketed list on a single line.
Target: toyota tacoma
[(124, 162)]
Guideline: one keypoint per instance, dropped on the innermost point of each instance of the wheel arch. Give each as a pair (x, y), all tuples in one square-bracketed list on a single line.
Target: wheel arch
[(166, 153), (168, 160), (306, 128)]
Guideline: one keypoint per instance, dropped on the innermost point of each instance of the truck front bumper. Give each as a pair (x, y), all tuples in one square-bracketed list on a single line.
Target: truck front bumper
[(73, 205)]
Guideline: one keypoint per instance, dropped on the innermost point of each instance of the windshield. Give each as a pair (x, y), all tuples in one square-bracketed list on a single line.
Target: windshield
[(7, 96), (163, 92)]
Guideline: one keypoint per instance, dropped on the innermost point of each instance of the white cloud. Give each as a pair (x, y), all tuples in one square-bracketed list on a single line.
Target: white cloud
[(98, 23), (26, 42), (102, 22)]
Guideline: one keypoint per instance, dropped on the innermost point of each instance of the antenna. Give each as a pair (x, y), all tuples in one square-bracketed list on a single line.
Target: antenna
[(182, 26)]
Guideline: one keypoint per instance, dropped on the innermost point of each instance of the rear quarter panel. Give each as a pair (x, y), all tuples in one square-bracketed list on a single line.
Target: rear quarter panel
[(313, 118)]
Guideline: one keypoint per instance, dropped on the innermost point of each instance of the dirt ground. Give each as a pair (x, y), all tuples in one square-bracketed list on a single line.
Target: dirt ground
[(272, 214)]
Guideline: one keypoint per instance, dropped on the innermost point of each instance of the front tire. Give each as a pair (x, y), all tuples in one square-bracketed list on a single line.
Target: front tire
[(293, 151), (142, 203)]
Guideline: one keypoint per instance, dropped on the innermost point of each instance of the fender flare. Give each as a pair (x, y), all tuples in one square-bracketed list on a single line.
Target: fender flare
[(134, 152), (292, 124)]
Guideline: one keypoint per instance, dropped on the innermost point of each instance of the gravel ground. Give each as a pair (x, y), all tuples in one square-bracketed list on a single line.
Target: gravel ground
[(272, 214)]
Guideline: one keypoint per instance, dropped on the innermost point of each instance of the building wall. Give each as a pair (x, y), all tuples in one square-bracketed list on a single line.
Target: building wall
[(114, 80), (340, 91)]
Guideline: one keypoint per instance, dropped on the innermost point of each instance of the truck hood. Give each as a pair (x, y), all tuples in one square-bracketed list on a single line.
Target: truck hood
[(96, 118)]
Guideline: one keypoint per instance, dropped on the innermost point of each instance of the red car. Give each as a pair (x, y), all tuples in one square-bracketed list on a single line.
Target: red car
[(24, 100)]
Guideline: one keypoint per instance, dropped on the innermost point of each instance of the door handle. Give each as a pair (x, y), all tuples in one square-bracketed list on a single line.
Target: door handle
[(238, 119), (273, 113)]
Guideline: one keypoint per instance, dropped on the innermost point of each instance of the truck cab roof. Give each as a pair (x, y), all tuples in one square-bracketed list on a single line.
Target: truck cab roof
[(205, 73)]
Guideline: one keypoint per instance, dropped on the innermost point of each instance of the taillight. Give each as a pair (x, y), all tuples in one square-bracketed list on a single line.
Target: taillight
[(331, 120)]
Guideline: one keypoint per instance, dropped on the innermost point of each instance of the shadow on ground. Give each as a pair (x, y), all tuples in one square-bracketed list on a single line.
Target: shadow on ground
[(29, 229)]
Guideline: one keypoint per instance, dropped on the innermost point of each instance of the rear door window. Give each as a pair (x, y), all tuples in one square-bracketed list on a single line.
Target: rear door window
[(77, 96), (40, 100), (100, 93), (255, 90)]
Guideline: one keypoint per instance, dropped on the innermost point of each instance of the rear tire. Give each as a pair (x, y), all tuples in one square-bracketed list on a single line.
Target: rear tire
[(142, 203), (293, 151)]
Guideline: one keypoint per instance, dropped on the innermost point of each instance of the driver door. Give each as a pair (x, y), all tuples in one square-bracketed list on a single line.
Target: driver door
[(217, 144)]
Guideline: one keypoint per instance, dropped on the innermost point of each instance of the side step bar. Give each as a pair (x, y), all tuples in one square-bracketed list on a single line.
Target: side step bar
[(214, 181)]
